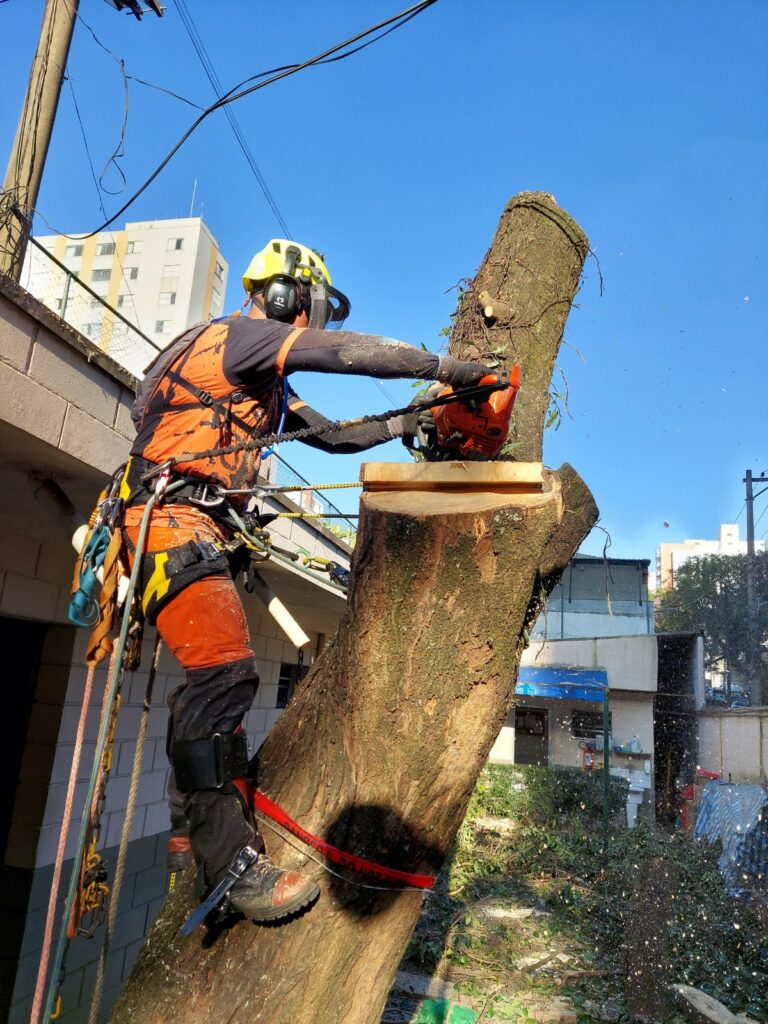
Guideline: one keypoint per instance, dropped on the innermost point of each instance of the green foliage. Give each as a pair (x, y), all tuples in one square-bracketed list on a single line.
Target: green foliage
[(550, 857), (543, 796), (710, 597)]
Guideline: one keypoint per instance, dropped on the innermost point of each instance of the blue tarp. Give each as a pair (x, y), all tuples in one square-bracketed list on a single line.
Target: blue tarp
[(737, 815), (562, 681)]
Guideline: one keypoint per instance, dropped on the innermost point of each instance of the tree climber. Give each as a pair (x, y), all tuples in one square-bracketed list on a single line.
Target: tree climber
[(217, 385)]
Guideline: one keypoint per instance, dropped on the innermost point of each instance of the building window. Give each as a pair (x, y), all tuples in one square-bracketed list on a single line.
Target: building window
[(588, 724), (131, 273), (286, 683), (134, 247), (171, 270), (101, 275), (73, 250), (124, 300), (92, 329), (105, 249), (162, 326), (175, 244), (219, 271), (167, 298)]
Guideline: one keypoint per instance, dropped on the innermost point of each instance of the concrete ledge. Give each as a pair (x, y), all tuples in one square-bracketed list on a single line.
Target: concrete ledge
[(21, 298)]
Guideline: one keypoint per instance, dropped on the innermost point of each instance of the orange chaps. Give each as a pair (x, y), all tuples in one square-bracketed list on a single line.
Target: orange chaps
[(205, 627)]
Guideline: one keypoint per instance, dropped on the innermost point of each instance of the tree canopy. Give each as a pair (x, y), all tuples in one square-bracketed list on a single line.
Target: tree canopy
[(710, 596)]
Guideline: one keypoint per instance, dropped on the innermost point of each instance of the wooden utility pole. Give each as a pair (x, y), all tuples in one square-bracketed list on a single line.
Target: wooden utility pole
[(381, 746), (33, 134)]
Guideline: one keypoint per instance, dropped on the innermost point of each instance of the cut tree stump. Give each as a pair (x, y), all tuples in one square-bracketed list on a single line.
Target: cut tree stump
[(380, 748)]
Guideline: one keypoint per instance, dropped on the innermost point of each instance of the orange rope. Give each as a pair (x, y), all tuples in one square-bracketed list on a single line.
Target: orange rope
[(42, 969)]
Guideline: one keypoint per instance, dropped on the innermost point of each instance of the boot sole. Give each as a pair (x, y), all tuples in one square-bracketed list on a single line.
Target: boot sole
[(299, 901)]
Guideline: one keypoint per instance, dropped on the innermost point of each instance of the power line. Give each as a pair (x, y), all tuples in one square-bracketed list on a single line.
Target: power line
[(101, 201), (213, 78), (275, 74), (133, 78)]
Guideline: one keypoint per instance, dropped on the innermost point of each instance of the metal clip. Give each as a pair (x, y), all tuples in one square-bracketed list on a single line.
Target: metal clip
[(203, 501), (163, 479)]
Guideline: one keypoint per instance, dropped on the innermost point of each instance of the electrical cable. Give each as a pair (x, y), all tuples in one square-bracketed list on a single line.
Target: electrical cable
[(213, 78), (396, 21), (101, 201), (133, 78)]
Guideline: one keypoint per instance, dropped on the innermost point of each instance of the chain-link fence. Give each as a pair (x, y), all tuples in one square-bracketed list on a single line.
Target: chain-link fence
[(53, 284), (311, 501), (579, 619)]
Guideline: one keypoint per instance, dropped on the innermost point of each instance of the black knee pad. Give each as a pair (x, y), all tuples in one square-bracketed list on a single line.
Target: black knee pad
[(211, 763)]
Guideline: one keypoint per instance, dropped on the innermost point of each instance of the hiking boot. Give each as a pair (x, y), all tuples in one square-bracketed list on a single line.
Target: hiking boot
[(266, 892)]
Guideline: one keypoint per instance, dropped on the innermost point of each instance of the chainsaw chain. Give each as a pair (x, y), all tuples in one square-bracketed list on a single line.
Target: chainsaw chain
[(301, 435), (457, 395)]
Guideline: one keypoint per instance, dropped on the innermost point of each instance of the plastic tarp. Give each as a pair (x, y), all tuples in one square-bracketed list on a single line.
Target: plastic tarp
[(737, 815), (563, 681)]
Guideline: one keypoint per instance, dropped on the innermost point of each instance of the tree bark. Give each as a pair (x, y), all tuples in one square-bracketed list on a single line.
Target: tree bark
[(381, 746)]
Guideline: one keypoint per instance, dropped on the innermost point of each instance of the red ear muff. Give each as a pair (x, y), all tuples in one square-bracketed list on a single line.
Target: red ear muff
[(282, 297)]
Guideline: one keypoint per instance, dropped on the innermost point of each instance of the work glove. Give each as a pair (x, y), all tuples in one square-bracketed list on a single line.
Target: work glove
[(418, 422), (461, 374)]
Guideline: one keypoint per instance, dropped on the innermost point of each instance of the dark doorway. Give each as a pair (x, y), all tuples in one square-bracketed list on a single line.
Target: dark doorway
[(531, 736), (37, 659), (21, 642), (675, 734)]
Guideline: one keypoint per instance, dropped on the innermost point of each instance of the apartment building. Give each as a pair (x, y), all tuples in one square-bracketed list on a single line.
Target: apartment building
[(161, 275), (669, 557)]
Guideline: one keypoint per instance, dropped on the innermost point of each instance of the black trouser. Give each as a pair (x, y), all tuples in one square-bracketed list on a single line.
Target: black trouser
[(214, 700)]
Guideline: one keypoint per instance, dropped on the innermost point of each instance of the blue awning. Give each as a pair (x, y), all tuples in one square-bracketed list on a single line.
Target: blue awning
[(562, 681)]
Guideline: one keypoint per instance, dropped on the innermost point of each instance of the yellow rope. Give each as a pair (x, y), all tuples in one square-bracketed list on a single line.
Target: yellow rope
[(314, 487), (312, 515)]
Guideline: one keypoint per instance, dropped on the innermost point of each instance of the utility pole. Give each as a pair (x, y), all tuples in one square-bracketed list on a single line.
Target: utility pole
[(33, 134), (755, 660)]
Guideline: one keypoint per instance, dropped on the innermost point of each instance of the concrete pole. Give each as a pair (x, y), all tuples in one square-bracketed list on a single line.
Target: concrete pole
[(756, 695), (33, 133)]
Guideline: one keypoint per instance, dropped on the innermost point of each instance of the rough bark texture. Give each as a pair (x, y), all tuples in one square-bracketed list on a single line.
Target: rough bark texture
[(529, 277), (379, 750)]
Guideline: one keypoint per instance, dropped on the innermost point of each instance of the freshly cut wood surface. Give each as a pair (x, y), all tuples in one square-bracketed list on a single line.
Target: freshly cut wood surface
[(499, 477)]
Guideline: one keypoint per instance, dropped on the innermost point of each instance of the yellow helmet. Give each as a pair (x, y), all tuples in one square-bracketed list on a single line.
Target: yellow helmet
[(292, 278), (274, 259)]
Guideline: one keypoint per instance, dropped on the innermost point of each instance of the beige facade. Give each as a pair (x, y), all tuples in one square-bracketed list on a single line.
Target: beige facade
[(734, 743), (544, 730), (669, 557)]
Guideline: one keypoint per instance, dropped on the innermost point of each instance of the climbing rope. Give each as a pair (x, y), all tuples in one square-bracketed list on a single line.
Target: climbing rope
[(45, 952), (122, 853), (110, 693)]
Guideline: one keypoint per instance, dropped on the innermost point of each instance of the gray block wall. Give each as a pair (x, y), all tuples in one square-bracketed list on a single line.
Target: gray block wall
[(141, 898)]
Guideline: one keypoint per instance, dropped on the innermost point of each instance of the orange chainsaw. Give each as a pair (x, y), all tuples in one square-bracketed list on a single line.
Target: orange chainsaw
[(471, 423)]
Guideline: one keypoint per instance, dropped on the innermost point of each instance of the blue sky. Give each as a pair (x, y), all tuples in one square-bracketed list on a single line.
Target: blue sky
[(646, 121)]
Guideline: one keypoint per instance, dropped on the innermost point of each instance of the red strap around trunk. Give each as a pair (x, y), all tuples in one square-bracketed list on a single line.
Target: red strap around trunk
[(347, 860)]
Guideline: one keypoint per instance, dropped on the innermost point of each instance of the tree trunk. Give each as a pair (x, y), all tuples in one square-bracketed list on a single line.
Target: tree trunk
[(380, 748)]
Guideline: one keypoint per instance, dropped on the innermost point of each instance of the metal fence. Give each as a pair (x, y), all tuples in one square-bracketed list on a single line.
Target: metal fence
[(313, 502), (53, 284), (579, 619)]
